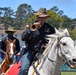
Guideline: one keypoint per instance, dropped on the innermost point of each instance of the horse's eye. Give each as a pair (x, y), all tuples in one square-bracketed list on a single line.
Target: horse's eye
[(64, 44)]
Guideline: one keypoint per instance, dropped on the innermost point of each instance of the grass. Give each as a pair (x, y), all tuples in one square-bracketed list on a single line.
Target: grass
[(68, 73)]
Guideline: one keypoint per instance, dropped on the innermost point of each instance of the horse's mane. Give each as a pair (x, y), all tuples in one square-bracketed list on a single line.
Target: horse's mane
[(51, 38), (47, 48), (54, 54), (58, 34)]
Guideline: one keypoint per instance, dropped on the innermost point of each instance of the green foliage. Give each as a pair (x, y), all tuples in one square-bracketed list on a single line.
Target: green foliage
[(25, 14), (54, 19), (67, 22), (54, 16), (33, 18), (68, 73), (24, 11), (73, 33)]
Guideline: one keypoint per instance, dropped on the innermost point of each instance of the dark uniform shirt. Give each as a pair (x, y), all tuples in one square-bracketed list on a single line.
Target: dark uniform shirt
[(36, 39), (3, 44)]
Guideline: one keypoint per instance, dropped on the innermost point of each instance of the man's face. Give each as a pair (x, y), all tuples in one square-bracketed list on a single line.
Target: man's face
[(10, 33), (42, 19)]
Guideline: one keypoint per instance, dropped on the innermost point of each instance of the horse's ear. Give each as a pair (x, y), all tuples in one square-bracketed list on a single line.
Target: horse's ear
[(14, 40), (75, 44), (7, 40), (66, 32), (57, 31)]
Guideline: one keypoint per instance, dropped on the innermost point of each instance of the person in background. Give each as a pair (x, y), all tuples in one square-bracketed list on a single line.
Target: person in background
[(2, 53), (34, 37), (10, 31)]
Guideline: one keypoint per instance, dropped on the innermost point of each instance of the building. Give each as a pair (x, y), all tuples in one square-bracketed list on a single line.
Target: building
[(2, 26)]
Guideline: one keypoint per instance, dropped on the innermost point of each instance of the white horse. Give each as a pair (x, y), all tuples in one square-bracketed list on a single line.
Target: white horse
[(60, 49)]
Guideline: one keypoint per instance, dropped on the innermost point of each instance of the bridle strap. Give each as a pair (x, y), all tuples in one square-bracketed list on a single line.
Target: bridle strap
[(60, 47), (65, 60), (52, 60), (61, 52)]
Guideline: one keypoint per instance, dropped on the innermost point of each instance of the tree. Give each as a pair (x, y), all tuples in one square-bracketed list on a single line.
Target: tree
[(55, 9), (55, 19), (24, 12), (6, 15), (8, 12), (60, 12), (67, 22)]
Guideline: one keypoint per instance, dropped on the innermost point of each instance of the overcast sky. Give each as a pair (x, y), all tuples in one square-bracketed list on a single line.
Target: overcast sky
[(68, 6)]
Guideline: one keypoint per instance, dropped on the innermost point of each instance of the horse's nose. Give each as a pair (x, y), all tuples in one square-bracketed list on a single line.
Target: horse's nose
[(74, 60)]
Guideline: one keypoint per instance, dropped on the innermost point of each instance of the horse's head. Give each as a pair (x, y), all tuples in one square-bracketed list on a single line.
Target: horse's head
[(66, 47), (10, 47), (8, 60)]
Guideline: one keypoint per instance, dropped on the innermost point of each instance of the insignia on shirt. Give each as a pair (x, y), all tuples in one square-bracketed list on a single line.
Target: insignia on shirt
[(47, 30)]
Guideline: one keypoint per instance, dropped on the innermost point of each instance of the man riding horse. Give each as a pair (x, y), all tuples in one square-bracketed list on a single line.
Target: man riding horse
[(34, 36), (10, 31)]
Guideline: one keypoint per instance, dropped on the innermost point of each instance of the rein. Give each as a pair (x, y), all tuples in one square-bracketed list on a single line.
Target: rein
[(52, 60)]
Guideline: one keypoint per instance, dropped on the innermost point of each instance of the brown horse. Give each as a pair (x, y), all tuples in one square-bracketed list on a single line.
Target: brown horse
[(8, 60)]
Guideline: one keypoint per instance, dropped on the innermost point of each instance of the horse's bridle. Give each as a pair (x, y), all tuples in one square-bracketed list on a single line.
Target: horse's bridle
[(58, 55), (60, 51)]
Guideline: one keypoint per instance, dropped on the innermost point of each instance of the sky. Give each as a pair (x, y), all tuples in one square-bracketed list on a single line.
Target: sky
[(68, 6)]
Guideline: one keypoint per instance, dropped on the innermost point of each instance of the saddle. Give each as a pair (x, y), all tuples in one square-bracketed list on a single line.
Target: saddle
[(35, 63), (36, 58)]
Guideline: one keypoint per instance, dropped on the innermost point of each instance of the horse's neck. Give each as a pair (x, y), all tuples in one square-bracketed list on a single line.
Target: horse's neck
[(9, 60), (53, 63), (4, 65)]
